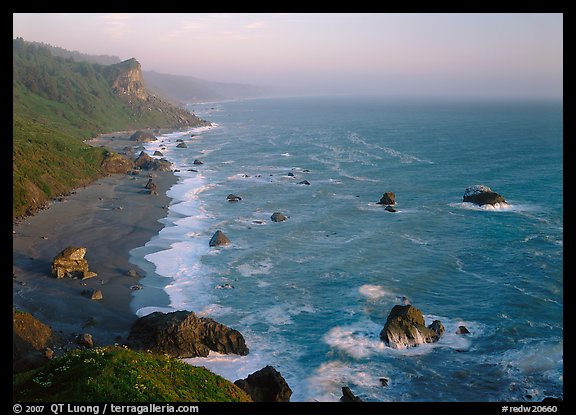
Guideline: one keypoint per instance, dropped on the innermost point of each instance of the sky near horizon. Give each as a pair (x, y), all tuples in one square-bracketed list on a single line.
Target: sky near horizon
[(510, 55)]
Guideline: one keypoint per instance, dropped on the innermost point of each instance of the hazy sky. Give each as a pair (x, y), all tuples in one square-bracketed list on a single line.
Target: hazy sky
[(500, 55)]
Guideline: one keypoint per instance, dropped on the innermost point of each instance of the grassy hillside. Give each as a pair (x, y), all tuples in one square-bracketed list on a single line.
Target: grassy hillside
[(47, 163), (116, 374), (58, 103)]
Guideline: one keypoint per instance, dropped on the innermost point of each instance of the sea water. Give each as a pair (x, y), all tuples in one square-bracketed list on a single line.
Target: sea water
[(311, 294)]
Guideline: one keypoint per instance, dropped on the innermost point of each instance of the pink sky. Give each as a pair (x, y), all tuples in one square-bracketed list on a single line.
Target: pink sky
[(500, 55)]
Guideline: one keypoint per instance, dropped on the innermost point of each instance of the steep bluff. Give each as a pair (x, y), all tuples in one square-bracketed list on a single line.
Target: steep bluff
[(127, 81)]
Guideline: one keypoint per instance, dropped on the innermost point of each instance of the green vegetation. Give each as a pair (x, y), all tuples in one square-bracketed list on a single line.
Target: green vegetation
[(57, 104), (116, 374)]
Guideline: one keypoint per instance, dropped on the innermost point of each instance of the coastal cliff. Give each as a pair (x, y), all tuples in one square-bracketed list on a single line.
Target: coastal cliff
[(59, 103)]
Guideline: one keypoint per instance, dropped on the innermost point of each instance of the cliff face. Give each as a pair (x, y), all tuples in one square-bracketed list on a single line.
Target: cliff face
[(127, 81), (130, 81)]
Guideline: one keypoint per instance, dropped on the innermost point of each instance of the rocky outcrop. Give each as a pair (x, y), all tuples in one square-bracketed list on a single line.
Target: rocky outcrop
[(278, 217), (233, 198), (70, 263), (348, 396), (219, 239), (116, 163), (129, 80), (405, 327), (388, 198), (182, 334), (266, 385), (145, 162), (31, 341), (480, 194), (143, 136)]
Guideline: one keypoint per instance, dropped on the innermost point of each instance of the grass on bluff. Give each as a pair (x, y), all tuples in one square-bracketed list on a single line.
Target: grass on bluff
[(47, 162), (118, 374)]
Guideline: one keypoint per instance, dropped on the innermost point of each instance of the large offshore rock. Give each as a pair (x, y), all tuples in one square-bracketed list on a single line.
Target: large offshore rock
[(480, 194), (182, 334), (405, 327)]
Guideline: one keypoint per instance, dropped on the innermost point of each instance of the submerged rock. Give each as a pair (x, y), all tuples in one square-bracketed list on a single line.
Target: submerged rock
[(405, 327), (480, 195), (182, 334), (266, 385)]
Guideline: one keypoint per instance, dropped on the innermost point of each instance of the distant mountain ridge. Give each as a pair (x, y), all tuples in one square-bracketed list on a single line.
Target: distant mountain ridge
[(179, 89), (189, 89)]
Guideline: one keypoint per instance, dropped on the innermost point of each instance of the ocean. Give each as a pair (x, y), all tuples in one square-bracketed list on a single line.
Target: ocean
[(311, 294)]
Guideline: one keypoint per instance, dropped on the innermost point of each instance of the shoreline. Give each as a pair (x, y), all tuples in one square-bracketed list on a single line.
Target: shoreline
[(110, 217)]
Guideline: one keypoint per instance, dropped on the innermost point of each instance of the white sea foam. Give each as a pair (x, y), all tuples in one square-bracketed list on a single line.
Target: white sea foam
[(373, 292), (325, 383), (496, 207), (260, 268)]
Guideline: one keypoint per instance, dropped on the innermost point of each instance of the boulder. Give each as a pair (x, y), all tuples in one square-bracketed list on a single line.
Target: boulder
[(116, 163), (219, 239), (462, 330), (158, 153), (93, 294), (143, 136), (181, 145), (480, 194), (390, 209), (348, 396), (182, 334), (30, 341), (405, 327), (388, 198), (233, 198), (197, 162), (145, 162), (278, 217), (70, 263), (266, 385), (306, 182), (85, 339)]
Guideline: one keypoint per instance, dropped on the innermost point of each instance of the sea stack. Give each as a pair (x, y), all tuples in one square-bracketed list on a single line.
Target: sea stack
[(480, 195)]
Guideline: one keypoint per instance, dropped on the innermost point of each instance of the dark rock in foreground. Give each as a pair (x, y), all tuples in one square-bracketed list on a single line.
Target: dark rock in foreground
[(405, 327), (480, 194), (348, 396), (390, 209), (182, 334), (219, 239), (266, 385), (30, 342)]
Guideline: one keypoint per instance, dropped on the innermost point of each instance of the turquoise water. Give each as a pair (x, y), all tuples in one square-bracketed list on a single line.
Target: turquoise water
[(311, 294)]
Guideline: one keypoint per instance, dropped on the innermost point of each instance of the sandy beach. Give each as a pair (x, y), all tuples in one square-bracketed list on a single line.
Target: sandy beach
[(109, 217)]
